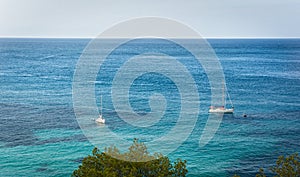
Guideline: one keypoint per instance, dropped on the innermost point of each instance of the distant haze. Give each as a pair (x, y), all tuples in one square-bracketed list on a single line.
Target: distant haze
[(211, 18)]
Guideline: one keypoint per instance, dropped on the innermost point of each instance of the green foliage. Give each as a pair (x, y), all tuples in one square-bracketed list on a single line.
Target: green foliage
[(287, 166), (261, 173), (235, 175), (137, 162)]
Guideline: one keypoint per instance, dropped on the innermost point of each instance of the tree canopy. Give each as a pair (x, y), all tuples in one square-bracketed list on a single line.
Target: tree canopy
[(137, 162), (285, 167)]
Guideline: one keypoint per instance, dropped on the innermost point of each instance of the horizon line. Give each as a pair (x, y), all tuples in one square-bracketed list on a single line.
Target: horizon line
[(79, 37)]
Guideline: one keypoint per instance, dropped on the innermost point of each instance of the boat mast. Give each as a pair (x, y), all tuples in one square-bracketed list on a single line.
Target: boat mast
[(101, 105), (223, 95), (230, 99), (227, 94)]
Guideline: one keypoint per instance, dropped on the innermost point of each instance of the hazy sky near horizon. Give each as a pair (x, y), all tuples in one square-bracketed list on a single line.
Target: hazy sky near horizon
[(211, 18)]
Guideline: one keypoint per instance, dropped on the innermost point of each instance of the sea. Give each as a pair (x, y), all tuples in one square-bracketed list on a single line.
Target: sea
[(40, 134)]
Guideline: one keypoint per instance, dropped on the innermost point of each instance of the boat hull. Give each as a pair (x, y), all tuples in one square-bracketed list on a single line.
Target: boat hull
[(100, 120), (221, 110)]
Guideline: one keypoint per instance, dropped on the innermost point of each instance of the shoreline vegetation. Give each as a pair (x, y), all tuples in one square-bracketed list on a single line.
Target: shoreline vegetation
[(138, 162), (288, 166)]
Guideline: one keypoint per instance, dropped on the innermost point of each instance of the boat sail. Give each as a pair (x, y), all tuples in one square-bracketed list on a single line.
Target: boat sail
[(100, 119), (223, 109)]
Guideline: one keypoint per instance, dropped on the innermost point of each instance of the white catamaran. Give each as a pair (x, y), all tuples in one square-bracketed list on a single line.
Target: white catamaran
[(223, 109), (100, 119)]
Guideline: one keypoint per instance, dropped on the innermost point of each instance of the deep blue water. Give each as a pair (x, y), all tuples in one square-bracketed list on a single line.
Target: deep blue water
[(39, 135)]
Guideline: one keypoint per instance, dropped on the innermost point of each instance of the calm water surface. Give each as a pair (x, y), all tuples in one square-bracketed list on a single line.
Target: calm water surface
[(39, 135)]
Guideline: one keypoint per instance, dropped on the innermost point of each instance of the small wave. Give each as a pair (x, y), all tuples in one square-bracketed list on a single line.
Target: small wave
[(47, 57), (55, 77), (12, 74), (96, 82), (26, 75)]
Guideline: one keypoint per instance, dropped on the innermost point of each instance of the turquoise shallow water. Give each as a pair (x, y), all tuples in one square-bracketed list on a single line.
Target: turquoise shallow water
[(39, 135)]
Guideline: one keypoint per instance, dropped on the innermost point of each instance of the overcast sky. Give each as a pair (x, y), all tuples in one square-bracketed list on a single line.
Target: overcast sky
[(211, 18)]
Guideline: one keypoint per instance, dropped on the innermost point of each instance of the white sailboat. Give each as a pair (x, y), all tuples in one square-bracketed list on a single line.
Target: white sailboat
[(222, 109), (100, 119)]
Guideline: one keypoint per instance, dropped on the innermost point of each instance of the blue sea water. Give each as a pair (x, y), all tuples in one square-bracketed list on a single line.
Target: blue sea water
[(39, 134)]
